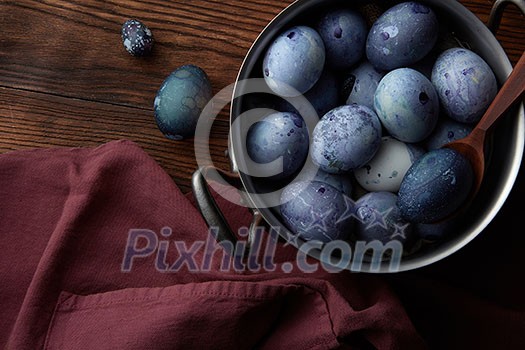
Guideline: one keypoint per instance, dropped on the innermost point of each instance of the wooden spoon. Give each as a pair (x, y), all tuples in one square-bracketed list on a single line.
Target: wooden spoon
[(472, 146)]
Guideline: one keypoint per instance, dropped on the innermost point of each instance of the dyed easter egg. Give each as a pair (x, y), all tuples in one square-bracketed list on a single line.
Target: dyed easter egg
[(316, 211), (379, 218), (280, 135), (323, 96), (362, 83), (345, 138), (341, 182), (388, 166), (465, 84), (180, 101), (436, 231), (435, 186), (344, 35), (294, 61), (425, 65), (136, 37), (447, 130), (407, 105), (402, 35)]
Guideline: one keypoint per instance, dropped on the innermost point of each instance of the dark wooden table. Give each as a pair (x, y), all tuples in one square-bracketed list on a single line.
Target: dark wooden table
[(66, 80)]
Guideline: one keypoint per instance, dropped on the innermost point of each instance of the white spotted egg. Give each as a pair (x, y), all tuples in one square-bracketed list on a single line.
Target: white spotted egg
[(388, 167)]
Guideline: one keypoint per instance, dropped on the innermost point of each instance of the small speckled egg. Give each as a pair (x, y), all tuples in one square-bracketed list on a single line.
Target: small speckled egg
[(465, 84), (277, 135), (317, 211), (364, 81), (344, 35), (402, 35), (345, 138), (407, 105), (435, 186), (294, 61), (388, 167), (379, 218), (447, 130), (180, 101), (137, 38)]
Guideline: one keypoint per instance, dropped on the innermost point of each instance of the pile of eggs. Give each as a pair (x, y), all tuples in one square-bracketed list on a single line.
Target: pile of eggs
[(388, 100)]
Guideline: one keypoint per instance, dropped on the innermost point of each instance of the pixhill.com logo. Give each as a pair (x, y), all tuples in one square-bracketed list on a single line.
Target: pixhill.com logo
[(170, 255)]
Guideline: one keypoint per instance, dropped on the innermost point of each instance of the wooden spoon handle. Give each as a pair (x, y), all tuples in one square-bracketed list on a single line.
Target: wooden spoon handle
[(512, 91)]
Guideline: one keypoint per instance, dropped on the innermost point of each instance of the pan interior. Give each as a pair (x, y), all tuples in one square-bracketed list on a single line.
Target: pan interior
[(505, 146)]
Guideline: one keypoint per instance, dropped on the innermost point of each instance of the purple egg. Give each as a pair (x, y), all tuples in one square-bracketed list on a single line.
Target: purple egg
[(425, 65), (465, 84), (344, 34), (345, 138), (342, 182), (294, 61), (407, 105), (362, 84), (379, 218), (447, 130), (323, 96), (435, 186), (402, 35), (280, 135), (436, 231), (317, 211)]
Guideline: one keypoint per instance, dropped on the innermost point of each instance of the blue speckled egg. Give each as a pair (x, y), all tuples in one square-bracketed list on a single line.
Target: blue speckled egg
[(388, 166), (447, 130), (342, 182), (425, 65), (323, 96), (402, 35), (407, 105), (435, 186), (436, 231), (280, 134), (294, 61), (364, 79), (316, 211), (137, 38), (465, 84), (344, 35), (345, 138), (379, 218), (180, 101)]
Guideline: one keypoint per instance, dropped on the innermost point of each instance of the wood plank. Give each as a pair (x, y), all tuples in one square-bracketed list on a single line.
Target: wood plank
[(74, 49), (30, 119)]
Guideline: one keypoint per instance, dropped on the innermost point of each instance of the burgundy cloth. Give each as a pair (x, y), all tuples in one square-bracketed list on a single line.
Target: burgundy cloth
[(65, 216)]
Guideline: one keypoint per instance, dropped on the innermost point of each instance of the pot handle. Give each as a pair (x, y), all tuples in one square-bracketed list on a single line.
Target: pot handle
[(211, 212), (497, 12)]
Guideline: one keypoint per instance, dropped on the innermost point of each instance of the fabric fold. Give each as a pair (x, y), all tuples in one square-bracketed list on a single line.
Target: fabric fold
[(100, 249)]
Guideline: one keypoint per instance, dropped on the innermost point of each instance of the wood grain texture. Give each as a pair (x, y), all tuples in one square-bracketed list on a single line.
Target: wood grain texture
[(32, 119), (66, 80), (73, 48)]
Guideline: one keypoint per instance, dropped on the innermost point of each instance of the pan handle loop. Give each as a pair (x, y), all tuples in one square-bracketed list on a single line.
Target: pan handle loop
[(497, 12), (209, 208), (211, 212)]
